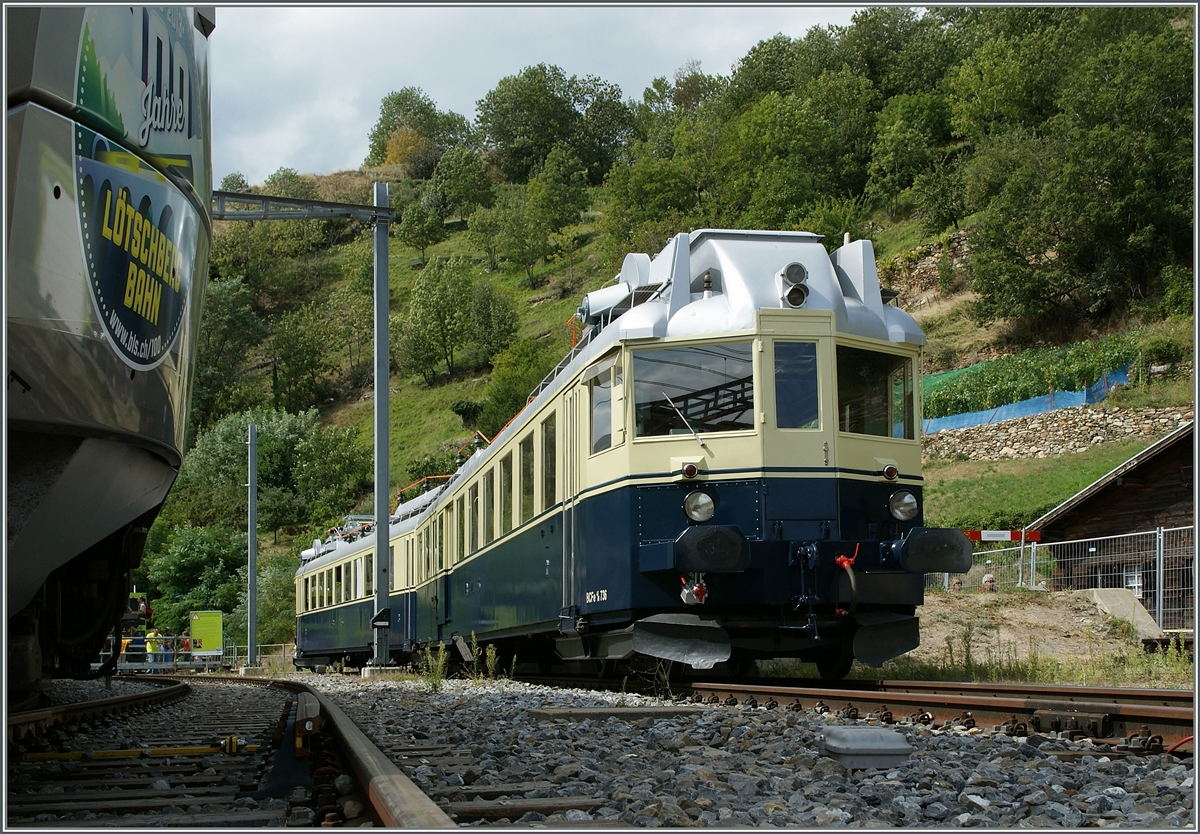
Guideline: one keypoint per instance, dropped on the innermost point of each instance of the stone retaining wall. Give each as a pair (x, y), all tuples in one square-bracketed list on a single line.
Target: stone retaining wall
[(1060, 432)]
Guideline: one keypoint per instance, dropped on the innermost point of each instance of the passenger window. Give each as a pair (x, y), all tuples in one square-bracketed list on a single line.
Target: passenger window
[(796, 404), (875, 393), (474, 497), (369, 574), (337, 584), (329, 586), (305, 597), (391, 567), (527, 479), (506, 493), (704, 388), (489, 508), (460, 540), (549, 464)]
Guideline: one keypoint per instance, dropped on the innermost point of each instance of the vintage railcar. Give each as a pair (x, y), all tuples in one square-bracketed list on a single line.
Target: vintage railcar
[(106, 259), (726, 467)]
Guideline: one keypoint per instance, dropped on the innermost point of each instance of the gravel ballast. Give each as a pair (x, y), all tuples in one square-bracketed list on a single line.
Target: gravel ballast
[(738, 766)]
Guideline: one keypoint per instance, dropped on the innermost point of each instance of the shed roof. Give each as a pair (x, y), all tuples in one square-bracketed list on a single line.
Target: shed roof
[(1149, 453)]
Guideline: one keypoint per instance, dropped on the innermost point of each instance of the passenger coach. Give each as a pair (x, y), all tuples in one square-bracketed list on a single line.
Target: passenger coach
[(726, 467)]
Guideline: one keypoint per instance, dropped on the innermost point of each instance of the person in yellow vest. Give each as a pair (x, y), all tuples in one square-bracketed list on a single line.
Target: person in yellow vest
[(154, 645)]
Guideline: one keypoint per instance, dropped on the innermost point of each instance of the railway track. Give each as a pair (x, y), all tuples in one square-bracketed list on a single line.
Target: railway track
[(1130, 719), (1138, 718), (79, 767), (199, 753)]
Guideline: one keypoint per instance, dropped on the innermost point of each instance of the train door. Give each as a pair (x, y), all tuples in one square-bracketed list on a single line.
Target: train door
[(570, 492)]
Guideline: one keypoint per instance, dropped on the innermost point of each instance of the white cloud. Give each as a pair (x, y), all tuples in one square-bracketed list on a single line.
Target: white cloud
[(300, 86)]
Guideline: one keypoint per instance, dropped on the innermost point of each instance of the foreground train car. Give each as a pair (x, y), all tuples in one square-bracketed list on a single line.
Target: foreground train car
[(726, 468), (107, 241)]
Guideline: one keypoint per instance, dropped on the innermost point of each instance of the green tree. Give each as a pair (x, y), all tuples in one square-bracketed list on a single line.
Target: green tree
[(411, 108), (438, 306), (492, 319), (300, 357), (557, 195), (833, 218), (524, 234), (413, 351), (421, 227), (1086, 212), (483, 230), (275, 605), (460, 176), (516, 372), (229, 329), (325, 471), (524, 116), (527, 114), (196, 571), (235, 182), (940, 198)]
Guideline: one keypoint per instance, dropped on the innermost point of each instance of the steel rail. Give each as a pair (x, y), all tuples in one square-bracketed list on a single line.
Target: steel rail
[(1122, 695), (398, 802), (948, 704), (39, 720)]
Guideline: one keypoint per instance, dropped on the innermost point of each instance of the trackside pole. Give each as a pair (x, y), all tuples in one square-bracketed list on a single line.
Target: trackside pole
[(382, 487), (252, 549)]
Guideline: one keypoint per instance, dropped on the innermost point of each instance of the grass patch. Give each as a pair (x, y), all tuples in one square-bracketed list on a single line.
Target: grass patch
[(897, 238), (1007, 494), (970, 658)]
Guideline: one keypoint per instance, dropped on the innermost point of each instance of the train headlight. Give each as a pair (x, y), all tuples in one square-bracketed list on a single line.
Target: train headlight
[(699, 506), (903, 505), (794, 278)]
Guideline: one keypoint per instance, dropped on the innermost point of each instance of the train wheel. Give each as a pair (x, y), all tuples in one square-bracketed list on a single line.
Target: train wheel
[(833, 664), (604, 668)]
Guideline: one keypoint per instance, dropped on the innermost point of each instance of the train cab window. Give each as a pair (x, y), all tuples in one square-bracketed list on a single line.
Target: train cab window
[(796, 404), (369, 574), (473, 495), (705, 388), (506, 493), (875, 393), (489, 507), (527, 478), (600, 392), (549, 464)]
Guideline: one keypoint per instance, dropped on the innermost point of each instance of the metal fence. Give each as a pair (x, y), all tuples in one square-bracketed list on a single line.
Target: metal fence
[(1157, 566)]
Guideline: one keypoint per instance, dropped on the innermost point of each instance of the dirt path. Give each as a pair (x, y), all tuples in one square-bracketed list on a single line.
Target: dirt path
[(1063, 625)]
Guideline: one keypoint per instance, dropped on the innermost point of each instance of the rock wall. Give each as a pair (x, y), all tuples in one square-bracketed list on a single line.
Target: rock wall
[(1060, 432)]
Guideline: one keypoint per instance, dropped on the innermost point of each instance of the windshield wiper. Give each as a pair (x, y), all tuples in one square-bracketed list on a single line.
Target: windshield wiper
[(684, 419)]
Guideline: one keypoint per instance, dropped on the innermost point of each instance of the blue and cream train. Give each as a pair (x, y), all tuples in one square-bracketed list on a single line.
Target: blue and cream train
[(726, 467)]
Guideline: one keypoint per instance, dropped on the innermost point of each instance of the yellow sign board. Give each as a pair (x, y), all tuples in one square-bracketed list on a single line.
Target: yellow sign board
[(206, 633)]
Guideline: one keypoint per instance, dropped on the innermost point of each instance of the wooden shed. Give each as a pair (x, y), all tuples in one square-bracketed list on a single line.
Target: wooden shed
[(1132, 528)]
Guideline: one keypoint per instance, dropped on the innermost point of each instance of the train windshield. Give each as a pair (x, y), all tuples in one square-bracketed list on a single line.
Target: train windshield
[(875, 393), (706, 388)]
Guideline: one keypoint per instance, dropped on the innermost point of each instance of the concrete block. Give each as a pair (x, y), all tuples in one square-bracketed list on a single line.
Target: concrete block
[(863, 747), (1120, 602)]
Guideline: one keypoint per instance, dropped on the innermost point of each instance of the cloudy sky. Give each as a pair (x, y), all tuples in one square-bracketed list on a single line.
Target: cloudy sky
[(300, 87)]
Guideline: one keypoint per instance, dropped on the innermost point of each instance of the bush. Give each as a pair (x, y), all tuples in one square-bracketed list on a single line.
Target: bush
[(1032, 373)]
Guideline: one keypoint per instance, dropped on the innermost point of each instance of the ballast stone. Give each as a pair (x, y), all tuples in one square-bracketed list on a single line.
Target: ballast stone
[(862, 747)]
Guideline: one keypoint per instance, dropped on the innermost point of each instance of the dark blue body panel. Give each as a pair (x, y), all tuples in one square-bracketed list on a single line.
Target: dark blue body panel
[(623, 565)]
